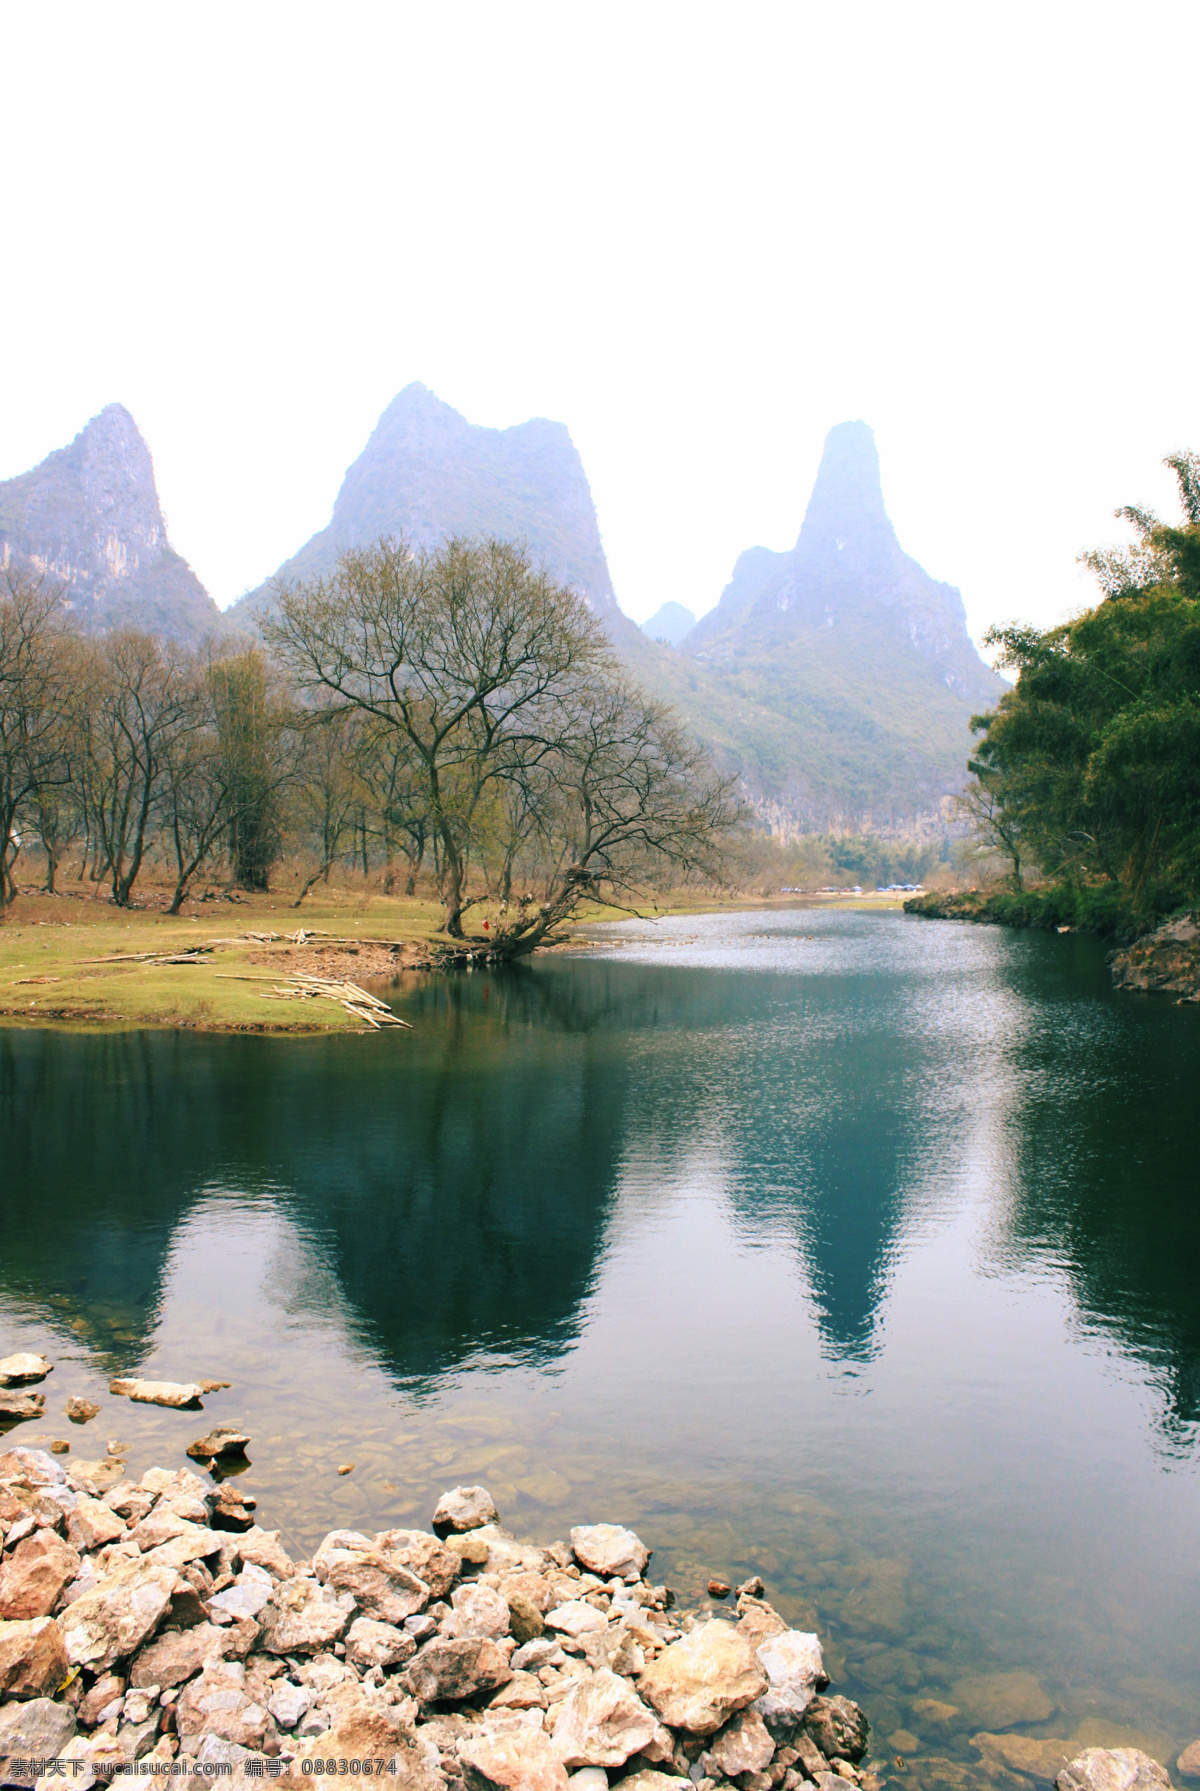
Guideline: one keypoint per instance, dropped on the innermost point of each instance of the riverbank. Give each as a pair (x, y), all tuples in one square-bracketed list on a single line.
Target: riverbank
[(1166, 960), (244, 965), (158, 1627)]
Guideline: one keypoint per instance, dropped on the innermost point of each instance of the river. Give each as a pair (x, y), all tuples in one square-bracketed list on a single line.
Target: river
[(850, 1249)]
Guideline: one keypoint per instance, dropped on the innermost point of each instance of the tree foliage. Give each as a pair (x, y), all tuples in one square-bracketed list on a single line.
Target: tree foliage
[(1090, 766)]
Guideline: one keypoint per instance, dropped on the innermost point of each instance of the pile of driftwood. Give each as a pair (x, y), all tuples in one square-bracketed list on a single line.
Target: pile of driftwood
[(356, 1001)]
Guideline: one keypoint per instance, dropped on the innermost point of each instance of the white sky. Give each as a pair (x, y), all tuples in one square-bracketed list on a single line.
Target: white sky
[(698, 235)]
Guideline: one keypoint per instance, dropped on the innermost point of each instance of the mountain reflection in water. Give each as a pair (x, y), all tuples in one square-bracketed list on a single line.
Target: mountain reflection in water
[(854, 1248)]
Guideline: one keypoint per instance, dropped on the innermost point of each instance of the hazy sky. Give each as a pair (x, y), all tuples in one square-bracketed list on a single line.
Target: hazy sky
[(699, 235)]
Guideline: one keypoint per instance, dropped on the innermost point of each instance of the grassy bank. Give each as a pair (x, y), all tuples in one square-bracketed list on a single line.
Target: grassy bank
[(75, 960)]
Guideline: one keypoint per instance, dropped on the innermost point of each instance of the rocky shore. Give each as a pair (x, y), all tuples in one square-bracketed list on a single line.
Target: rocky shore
[(1166, 960), (155, 1627)]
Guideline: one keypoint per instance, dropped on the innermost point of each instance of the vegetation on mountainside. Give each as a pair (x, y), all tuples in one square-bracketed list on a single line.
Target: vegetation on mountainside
[(1089, 769)]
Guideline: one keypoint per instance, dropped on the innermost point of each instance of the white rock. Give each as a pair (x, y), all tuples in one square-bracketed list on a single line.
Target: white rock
[(247, 1596), (288, 1703), (115, 1619), (477, 1611), (607, 1549), (465, 1508), (588, 1778), (179, 1394), (575, 1617), (793, 1665), (602, 1722), (23, 1369)]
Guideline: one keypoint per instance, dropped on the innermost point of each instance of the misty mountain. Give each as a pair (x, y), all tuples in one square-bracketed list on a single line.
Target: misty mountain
[(670, 622), (838, 678), (428, 474), (89, 517)]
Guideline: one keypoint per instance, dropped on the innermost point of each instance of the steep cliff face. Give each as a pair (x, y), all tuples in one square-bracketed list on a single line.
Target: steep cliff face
[(839, 678), (88, 517), (847, 576), (428, 474)]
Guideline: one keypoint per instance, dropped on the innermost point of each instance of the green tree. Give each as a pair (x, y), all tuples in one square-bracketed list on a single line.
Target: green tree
[(1093, 760)]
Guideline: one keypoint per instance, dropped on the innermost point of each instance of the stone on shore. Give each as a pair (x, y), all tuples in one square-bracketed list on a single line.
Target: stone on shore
[(607, 1549), (179, 1654), (263, 1548), (522, 1761), (23, 1369), (465, 1508), (603, 1722), (182, 1395), (304, 1618), (33, 1658), (1112, 1769), (699, 1682), (115, 1619), (366, 1734), (79, 1411), (525, 1621), (92, 1524), (431, 1561), (378, 1584), (218, 1703), (39, 1730), (478, 1610), (744, 1745), (248, 1594), (450, 1671), (575, 1617), (838, 1727), (35, 1574), (649, 1780), (372, 1644), (794, 1667)]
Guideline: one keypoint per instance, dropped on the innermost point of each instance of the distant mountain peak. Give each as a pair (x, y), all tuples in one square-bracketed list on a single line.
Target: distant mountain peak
[(88, 516), (429, 474), (847, 497)]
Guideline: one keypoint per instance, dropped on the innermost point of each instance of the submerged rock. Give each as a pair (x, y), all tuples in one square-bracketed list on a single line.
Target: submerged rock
[(79, 1411), (1112, 1769), (179, 1394)]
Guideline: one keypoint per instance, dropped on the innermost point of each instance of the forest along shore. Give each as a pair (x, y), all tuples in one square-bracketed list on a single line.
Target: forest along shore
[(1166, 960)]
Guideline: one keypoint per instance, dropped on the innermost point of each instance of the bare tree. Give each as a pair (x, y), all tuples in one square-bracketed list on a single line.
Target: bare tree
[(146, 706), (31, 700), (469, 654), (328, 793), (529, 746)]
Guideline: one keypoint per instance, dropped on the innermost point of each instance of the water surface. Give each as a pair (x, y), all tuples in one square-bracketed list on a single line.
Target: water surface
[(850, 1249)]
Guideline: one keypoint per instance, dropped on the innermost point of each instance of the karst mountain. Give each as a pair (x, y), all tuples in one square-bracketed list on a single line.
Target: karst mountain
[(835, 680), (88, 518)]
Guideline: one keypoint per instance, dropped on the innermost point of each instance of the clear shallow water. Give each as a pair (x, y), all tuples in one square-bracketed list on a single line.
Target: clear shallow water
[(850, 1249)]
